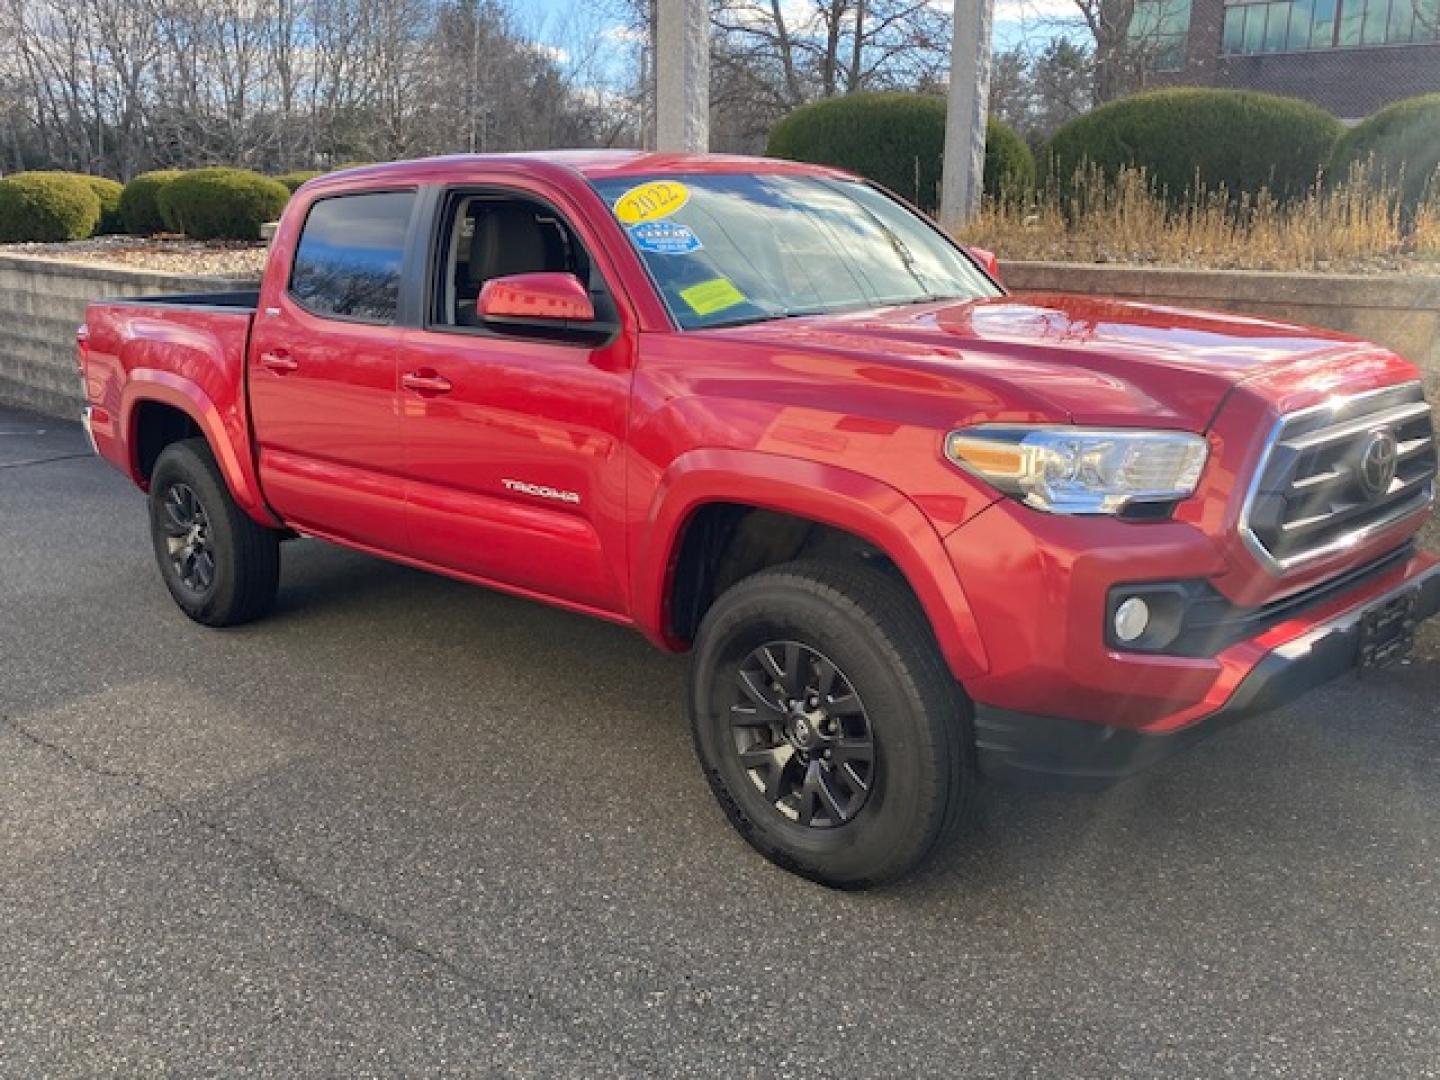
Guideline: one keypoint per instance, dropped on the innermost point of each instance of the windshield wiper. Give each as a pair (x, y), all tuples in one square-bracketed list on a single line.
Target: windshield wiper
[(935, 298), (769, 316)]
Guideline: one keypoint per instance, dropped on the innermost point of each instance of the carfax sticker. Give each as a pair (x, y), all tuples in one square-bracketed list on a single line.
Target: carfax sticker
[(711, 296), (648, 202), (665, 238)]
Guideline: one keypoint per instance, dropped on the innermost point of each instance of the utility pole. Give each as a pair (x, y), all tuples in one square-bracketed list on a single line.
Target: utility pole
[(682, 76), (969, 105)]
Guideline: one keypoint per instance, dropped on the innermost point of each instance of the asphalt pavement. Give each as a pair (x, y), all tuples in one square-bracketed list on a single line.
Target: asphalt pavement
[(409, 827)]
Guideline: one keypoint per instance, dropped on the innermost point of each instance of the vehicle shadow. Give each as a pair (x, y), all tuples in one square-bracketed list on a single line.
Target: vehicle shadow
[(1353, 761)]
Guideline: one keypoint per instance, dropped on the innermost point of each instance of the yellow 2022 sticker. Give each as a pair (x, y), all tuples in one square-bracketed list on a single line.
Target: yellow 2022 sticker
[(652, 201), (711, 296)]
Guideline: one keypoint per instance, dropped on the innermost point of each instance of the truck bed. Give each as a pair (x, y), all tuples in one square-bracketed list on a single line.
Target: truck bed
[(181, 352), (246, 299)]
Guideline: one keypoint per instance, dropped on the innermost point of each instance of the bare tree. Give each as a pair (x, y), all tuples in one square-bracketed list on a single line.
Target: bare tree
[(821, 48), (117, 86)]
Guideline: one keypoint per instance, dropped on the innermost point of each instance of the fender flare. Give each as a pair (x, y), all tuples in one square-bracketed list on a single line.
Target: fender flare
[(228, 435), (853, 502)]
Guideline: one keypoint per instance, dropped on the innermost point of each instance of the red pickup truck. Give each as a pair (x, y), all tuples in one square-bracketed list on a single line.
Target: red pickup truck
[(912, 528)]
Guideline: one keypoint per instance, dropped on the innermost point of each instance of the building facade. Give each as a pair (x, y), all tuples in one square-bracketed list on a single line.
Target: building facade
[(1351, 57)]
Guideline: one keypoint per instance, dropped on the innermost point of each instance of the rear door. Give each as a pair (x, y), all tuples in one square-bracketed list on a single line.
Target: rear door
[(515, 436), (322, 375)]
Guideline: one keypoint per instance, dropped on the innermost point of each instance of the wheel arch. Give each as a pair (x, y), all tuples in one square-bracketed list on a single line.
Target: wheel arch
[(706, 485), (159, 408)]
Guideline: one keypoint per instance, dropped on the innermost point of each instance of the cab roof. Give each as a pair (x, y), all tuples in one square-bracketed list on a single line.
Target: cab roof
[(594, 164)]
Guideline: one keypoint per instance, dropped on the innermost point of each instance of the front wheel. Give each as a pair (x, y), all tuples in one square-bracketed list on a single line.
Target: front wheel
[(222, 567), (829, 727)]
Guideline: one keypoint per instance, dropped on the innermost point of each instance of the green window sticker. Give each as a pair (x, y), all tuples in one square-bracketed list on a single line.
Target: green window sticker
[(711, 296)]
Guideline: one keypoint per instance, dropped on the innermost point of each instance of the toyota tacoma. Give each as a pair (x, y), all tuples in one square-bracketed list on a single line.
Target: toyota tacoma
[(911, 528)]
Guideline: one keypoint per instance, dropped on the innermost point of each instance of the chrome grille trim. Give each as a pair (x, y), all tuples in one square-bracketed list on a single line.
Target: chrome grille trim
[(1286, 503)]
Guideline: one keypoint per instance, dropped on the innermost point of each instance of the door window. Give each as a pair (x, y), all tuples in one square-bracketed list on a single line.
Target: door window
[(494, 235), (347, 263)]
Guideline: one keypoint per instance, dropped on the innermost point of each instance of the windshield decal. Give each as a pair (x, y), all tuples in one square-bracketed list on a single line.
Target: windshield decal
[(651, 201), (711, 296), (665, 238)]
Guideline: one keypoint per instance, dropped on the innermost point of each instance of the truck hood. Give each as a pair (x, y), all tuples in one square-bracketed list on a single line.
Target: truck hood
[(1093, 361)]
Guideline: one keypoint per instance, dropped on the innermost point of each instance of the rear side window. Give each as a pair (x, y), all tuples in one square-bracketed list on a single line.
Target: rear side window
[(347, 264)]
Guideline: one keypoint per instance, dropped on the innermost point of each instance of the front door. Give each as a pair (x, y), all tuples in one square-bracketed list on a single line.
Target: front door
[(323, 373), (515, 436)]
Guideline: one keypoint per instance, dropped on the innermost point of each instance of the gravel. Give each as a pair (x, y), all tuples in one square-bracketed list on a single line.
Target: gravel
[(169, 255)]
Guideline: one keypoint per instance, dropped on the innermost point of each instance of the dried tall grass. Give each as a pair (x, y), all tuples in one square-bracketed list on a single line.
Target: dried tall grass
[(1356, 225)]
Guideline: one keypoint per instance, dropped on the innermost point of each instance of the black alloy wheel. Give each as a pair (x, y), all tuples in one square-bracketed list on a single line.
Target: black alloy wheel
[(802, 734), (186, 526)]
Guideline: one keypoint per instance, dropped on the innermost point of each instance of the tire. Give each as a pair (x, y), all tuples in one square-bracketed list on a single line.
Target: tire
[(242, 556), (876, 821)]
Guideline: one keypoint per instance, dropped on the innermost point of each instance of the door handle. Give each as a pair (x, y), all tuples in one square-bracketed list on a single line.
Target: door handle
[(279, 361), (425, 382)]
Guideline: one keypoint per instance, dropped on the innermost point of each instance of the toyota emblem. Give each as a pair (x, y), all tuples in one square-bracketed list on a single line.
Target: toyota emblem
[(1377, 463)]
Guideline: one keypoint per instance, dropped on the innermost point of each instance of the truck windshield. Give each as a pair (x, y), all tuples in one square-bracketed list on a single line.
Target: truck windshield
[(726, 249)]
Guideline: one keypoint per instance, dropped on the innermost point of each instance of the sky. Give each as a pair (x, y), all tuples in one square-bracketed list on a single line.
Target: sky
[(1017, 22)]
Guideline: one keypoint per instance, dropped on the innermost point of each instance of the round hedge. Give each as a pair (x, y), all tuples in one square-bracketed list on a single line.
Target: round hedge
[(1241, 140), (1403, 140), (140, 202), (49, 207), (897, 140), (1009, 164), (293, 180), (108, 192), (222, 204)]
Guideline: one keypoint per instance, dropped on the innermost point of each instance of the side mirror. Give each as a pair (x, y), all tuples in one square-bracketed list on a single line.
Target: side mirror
[(987, 260), (546, 296)]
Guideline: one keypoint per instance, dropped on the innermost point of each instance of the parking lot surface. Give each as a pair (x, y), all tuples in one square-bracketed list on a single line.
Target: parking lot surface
[(405, 826)]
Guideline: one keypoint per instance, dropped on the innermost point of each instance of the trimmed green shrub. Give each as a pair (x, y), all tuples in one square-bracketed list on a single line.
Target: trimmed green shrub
[(293, 180), (1404, 141), (108, 192), (222, 204), (140, 202), (47, 206), (896, 140), (1009, 164), (1232, 138)]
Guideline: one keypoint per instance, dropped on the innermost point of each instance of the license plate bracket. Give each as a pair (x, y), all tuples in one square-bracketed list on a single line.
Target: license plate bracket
[(1387, 631)]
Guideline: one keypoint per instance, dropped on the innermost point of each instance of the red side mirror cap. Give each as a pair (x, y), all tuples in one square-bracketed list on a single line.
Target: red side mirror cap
[(536, 296), (987, 260)]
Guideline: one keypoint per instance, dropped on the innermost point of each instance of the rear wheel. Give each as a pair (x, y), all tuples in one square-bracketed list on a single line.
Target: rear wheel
[(829, 726), (222, 568)]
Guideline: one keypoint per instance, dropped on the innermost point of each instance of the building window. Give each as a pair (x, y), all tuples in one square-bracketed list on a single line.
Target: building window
[(1161, 30), (1303, 25)]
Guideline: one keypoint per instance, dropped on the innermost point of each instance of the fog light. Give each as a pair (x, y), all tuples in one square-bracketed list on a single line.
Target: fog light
[(1131, 619)]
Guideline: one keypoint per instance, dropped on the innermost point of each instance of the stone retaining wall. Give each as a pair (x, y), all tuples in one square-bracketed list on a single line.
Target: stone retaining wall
[(42, 302)]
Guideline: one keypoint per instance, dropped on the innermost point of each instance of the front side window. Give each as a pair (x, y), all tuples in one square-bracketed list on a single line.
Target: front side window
[(732, 248), (495, 234), (347, 263)]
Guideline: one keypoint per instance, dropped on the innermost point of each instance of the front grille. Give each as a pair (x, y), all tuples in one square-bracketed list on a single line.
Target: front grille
[(1339, 473)]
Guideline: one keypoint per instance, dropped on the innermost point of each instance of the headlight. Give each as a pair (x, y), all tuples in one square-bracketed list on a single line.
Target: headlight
[(1068, 470)]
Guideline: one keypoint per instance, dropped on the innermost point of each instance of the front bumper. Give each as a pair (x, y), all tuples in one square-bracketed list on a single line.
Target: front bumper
[(1028, 747)]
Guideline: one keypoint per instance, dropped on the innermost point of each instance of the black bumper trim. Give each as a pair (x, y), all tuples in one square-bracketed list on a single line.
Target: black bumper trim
[(1051, 751)]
